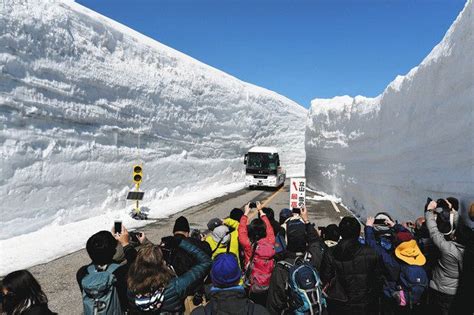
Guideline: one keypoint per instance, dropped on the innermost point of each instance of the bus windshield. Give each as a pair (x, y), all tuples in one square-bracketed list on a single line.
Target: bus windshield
[(262, 161)]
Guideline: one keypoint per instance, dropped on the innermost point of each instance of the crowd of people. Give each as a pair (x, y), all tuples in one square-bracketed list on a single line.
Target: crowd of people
[(250, 263)]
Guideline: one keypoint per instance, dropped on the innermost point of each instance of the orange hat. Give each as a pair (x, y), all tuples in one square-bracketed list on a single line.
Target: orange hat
[(410, 253)]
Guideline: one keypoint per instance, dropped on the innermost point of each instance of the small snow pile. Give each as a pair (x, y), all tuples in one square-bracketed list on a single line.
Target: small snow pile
[(413, 141), (79, 93), (321, 196)]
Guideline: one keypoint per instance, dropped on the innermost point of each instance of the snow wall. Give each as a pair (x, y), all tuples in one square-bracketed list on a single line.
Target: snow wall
[(79, 92), (413, 141)]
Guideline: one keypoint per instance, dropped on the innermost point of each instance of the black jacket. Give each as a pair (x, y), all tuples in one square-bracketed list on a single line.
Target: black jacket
[(358, 269), (229, 301), (277, 299), (41, 309), (121, 275), (181, 260)]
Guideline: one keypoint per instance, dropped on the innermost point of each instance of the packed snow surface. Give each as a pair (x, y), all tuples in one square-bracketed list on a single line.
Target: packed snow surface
[(413, 141), (79, 93)]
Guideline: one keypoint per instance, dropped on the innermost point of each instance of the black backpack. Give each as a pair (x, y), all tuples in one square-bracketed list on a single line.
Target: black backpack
[(211, 309)]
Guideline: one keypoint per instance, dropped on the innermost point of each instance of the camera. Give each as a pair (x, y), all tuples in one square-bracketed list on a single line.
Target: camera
[(296, 210), (379, 221), (134, 235), (253, 204), (196, 233), (118, 226)]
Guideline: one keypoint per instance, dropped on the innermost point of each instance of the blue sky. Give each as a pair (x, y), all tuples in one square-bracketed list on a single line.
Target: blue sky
[(303, 49)]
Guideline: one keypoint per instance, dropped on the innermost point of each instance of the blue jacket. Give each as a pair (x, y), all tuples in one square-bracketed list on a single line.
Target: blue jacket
[(391, 265), (177, 289)]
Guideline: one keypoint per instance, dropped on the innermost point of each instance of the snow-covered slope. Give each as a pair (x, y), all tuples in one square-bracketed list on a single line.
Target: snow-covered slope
[(413, 141), (79, 92)]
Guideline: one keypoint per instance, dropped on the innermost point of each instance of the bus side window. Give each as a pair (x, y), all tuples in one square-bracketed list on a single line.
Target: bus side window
[(277, 159)]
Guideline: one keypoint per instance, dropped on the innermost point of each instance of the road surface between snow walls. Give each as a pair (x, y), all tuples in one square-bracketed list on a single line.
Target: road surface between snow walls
[(413, 141), (79, 93), (58, 277)]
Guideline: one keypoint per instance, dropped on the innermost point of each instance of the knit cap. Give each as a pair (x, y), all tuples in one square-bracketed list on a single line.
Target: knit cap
[(225, 271), (181, 224)]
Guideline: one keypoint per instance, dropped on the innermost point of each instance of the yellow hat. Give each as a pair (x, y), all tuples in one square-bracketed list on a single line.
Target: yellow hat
[(410, 253)]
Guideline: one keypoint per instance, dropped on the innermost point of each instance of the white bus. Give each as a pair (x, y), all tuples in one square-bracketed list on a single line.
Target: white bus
[(263, 168)]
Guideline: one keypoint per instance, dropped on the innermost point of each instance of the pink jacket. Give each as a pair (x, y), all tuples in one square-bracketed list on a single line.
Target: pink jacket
[(244, 236)]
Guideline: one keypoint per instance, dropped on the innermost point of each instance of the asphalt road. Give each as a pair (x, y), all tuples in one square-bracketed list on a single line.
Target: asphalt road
[(57, 277)]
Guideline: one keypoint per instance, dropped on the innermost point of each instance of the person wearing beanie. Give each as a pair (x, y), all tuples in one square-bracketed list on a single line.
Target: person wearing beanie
[(357, 266), (181, 226), (446, 273), (302, 242), (179, 258), (226, 295)]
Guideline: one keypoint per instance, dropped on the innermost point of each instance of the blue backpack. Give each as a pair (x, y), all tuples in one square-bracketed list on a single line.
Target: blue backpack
[(414, 281), (280, 243), (99, 292), (304, 288)]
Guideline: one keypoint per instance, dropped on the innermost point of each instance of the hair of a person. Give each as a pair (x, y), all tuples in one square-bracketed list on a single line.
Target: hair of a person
[(25, 291), (331, 232), (454, 202), (257, 230), (236, 214), (149, 271), (471, 211), (101, 247), (269, 213), (441, 203), (349, 228)]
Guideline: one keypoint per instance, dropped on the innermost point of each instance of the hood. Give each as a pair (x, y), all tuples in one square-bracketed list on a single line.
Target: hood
[(346, 249)]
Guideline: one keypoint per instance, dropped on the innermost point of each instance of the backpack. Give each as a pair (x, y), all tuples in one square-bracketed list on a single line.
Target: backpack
[(304, 288), (295, 228), (414, 281), (280, 243), (260, 267), (211, 308), (99, 291)]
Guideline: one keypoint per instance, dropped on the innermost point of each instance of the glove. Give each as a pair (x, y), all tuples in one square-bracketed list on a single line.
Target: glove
[(171, 242)]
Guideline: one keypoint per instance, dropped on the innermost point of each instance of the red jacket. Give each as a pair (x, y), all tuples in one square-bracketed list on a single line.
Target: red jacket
[(244, 236)]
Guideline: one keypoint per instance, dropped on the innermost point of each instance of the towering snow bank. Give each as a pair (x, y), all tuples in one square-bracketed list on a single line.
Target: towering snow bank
[(79, 92), (413, 141)]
